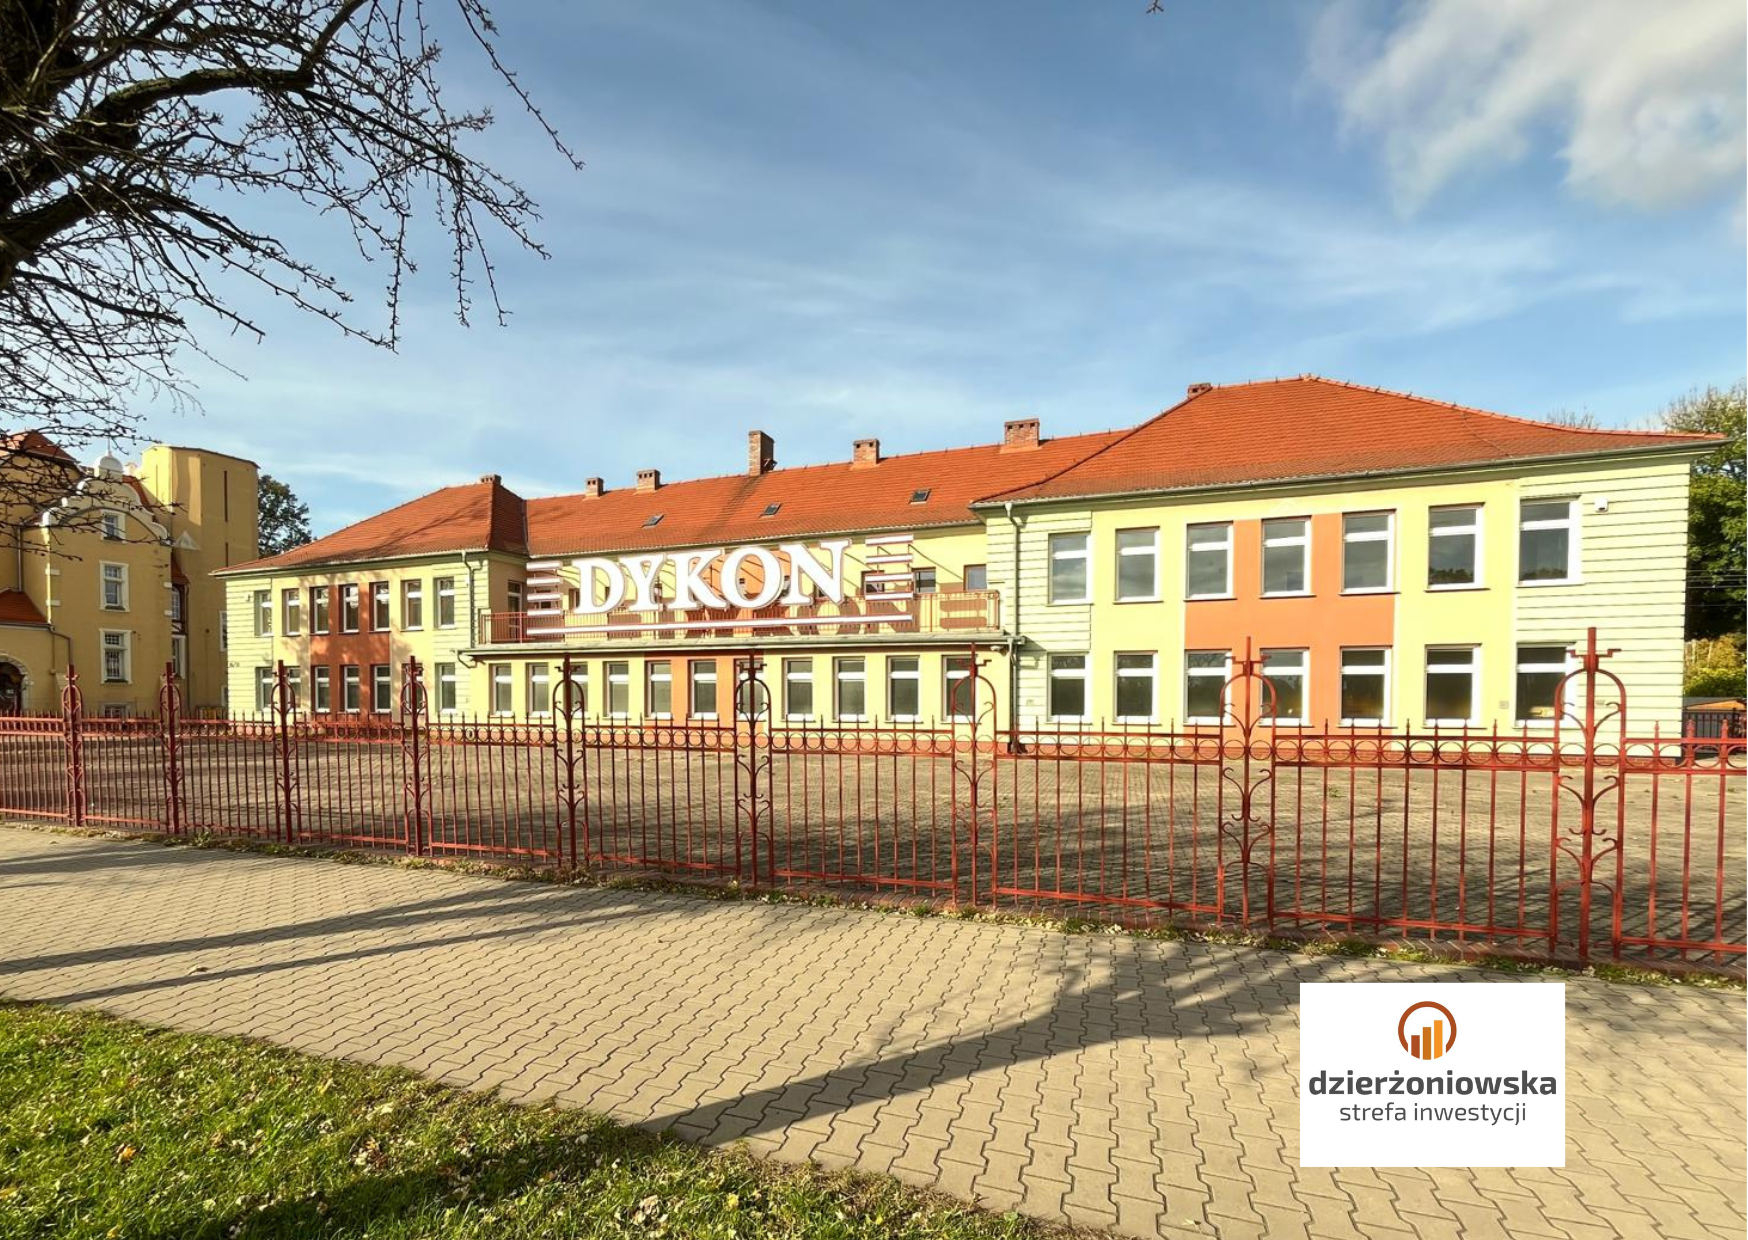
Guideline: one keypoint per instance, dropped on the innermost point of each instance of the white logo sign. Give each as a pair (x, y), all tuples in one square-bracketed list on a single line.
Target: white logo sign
[(1405, 1074)]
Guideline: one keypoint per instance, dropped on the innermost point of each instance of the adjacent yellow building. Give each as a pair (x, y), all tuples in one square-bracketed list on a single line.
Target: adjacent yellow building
[(1389, 561)]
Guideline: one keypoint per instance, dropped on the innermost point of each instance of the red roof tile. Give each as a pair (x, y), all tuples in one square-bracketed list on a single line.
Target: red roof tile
[(481, 516), (16, 608), (34, 443), (1310, 427)]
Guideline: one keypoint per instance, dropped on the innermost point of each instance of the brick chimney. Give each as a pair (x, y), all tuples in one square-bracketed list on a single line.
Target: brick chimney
[(491, 480), (1020, 435), (865, 452), (761, 453), (1196, 389), (649, 479), (592, 488)]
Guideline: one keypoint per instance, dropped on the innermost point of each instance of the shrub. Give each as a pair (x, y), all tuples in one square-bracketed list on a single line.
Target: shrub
[(1715, 682)]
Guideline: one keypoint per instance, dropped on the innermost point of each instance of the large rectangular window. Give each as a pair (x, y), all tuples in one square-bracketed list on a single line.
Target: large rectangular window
[(445, 590), (960, 688), (413, 604), (264, 688), (1546, 541), (379, 617), (503, 689), (1452, 674), (1208, 561), (850, 678), (114, 578), (1540, 669), (448, 694), (322, 689), (1286, 556), (319, 597), (1068, 687), (539, 689), (1285, 670), (977, 576), (618, 689), (1070, 555), (1135, 688), (1453, 553), (904, 687), (349, 608), (381, 688), (658, 689), (263, 608), (1137, 565), (798, 689), (117, 657), (294, 685), (576, 696), (1205, 675), (1365, 686), (351, 687), (291, 611), (703, 672), (1368, 552)]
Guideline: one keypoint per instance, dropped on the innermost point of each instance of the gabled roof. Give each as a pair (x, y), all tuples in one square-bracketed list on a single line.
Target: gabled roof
[(16, 608), (35, 443), (480, 516), (810, 500), (1310, 427)]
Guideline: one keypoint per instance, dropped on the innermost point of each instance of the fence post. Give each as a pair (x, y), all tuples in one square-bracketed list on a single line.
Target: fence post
[(169, 715), (752, 799), (568, 708), (72, 722), (1588, 794), (283, 706), (416, 803)]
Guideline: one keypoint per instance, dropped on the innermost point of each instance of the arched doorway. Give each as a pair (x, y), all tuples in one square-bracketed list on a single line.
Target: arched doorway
[(11, 690)]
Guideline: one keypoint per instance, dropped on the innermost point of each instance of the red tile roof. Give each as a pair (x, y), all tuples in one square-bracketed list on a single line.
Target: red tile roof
[(1311, 427), (16, 608), (480, 516), (34, 443)]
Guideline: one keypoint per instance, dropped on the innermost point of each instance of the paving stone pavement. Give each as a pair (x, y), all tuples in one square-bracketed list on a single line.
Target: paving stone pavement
[(1143, 1086)]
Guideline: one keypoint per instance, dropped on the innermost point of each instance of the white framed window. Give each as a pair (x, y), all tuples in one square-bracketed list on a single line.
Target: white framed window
[(959, 687), (264, 688), (115, 587), (1368, 552), (448, 691), (321, 689), (1208, 560), (1365, 685), (1070, 575), (1547, 542), (117, 657), (114, 527), (294, 685), (539, 689), (658, 688), (263, 613), (1136, 676), (904, 687), (1067, 690), (381, 688), (445, 590), (1286, 556), (1205, 675), (503, 689), (1138, 566), (618, 689), (224, 631), (1287, 671), (179, 656), (319, 599), (1540, 669), (379, 615), (291, 604), (977, 576), (351, 688), (1453, 677), (349, 608), (703, 675), (850, 686), (798, 689), (412, 604), (924, 580), (1453, 552)]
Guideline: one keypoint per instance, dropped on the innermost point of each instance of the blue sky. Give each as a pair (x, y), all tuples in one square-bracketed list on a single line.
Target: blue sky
[(917, 221)]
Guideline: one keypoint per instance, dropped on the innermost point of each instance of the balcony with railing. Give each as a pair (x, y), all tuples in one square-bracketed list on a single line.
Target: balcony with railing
[(948, 613)]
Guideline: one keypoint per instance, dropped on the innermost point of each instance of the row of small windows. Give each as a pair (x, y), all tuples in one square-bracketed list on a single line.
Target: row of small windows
[(1452, 686), (1547, 553), (354, 604)]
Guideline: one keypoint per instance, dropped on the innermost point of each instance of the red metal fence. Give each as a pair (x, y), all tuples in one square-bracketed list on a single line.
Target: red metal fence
[(1581, 840)]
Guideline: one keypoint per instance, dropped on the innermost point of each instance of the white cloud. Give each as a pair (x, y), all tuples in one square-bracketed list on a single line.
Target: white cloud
[(1647, 97)]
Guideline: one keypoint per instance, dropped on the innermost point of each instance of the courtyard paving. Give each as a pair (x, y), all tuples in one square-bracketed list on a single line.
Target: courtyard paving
[(1143, 1086)]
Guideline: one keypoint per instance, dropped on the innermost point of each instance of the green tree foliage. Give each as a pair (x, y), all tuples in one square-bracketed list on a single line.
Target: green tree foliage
[(284, 519), (1717, 531)]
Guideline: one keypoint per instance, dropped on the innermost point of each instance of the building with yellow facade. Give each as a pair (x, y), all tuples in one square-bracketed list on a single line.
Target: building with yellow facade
[(1390, 560), (109, 570)]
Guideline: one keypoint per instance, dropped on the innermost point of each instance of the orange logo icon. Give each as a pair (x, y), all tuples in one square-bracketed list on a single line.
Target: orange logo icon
[(1433, 1040)]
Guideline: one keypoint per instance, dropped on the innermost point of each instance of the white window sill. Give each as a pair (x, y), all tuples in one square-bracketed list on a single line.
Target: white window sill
[(1209, 598), (1141, 598), (1148, 720), (1362, 723), (1546, 583), (1204, 721), (1453, 723), (1286, 594), (1070, 718), (1455, 589), (1285, 723), (1070, 602), (1371, 590)]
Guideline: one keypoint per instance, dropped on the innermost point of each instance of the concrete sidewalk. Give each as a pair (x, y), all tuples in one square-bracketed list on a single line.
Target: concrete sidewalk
[(1138, 1085)]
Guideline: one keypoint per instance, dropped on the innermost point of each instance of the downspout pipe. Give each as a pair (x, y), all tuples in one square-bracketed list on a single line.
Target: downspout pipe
[(1015, 639), (472, 619)]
